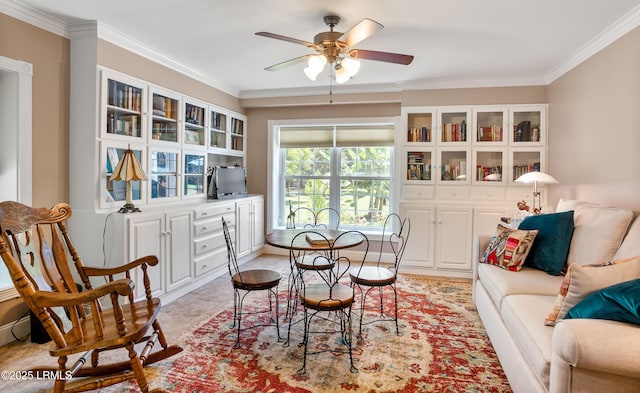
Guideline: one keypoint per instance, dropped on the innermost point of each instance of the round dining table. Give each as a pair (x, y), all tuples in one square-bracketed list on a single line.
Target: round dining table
[(283, 238)]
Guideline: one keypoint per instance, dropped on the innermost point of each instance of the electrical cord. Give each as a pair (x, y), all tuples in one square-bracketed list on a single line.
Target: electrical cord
[(15, 323)]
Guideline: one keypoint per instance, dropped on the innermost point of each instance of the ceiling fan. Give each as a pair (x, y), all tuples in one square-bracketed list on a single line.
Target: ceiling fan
[(337, 49)]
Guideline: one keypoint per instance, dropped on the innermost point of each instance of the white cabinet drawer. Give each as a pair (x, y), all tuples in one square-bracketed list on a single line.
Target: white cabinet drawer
[(211, 261), (418, 192), (214, 209), (452, 193), (488, 193), (210, 243), (212, 225)]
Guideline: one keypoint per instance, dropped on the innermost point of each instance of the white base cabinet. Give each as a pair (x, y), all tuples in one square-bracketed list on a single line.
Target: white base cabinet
[(188, 241), (249, 225), (440, 239)]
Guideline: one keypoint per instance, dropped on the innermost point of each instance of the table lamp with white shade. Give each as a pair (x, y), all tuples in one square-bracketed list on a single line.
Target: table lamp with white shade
[(536, 178)]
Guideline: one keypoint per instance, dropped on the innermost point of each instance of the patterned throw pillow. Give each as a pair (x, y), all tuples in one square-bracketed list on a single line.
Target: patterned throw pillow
[(582, 280), (509, 248)]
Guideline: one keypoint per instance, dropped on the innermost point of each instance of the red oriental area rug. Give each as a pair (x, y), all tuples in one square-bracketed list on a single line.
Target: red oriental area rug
[(442, 348)]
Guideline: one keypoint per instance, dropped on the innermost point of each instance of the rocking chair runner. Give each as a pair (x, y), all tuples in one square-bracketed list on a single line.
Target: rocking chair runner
[(34, 245)]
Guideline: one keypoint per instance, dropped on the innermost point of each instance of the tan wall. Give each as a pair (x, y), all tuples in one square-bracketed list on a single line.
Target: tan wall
[(49, 55), (594, 116)]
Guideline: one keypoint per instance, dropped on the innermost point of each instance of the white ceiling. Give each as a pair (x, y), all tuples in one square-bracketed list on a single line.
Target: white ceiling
[(456, 43)]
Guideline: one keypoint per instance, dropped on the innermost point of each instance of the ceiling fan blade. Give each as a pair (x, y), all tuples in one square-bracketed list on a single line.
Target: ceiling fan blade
[(288, 63), (285, 38), (381, 56), (364, 29)]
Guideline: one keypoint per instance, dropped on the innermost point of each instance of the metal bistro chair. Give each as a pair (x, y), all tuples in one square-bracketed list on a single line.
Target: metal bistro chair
[(249, 281), (318, 261), (367, 278), (330, 296), (35, 246)]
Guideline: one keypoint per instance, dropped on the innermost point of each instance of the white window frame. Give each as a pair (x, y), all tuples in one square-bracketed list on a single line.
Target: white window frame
[(273, 167)]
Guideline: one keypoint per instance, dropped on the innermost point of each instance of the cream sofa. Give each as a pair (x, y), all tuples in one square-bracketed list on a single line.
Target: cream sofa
[(577, 355)]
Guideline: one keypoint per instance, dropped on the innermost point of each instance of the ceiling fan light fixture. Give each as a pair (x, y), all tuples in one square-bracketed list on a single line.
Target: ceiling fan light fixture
[(342, 75), (317, 63), (350, 65), (311, 73)]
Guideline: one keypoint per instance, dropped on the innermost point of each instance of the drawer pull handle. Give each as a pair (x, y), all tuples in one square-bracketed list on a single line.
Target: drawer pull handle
[(204, 246), (204, 213), (204, 228)]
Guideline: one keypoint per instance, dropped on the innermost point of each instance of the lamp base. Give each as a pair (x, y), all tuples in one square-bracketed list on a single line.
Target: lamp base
[(128, 208)]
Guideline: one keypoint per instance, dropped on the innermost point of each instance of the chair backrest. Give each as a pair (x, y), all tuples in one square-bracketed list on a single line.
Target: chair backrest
[(326, 247), (395, 235), (304, 217), (232, 262), (34, 245)]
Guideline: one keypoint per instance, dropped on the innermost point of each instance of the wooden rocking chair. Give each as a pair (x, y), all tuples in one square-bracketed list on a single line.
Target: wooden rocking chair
[(35, 245)]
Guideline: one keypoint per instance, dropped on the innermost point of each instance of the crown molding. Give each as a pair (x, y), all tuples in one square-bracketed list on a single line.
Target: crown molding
[(34, 17), (621, 27)]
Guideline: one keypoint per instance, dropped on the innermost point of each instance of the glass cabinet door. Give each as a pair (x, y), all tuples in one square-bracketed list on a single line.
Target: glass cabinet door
[(489, 166), (164, 118), (124, 109), (194, 174), (419, 166), (116, 189), (218, 129), (454, 127), (194, 124), (454, 166), (237, 134), (528, 126), (524, 161), (420, 127), (164, 174), (490, 126)]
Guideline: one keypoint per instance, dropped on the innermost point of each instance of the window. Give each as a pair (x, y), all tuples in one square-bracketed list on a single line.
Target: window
[(345, 167)]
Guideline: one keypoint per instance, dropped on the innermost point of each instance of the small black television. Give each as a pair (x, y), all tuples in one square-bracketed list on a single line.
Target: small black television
[(227, 182)]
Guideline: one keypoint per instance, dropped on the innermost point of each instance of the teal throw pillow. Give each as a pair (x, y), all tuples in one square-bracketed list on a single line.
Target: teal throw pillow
[(549, 251), (619, 302)]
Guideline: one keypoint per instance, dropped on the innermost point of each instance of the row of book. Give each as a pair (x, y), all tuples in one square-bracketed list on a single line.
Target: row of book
[(456, 170), (523, 132), (422, 134), (218, 121), (519, 170), (454, 132), (237, 144), (414, 157), (164, 106), (419, 172), (194, 115), (485, 173), (123, 125), (124, 96), (490, 134), (237, 126)]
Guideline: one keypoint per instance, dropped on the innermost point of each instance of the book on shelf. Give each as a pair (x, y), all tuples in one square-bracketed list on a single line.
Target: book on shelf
[(316, 238)]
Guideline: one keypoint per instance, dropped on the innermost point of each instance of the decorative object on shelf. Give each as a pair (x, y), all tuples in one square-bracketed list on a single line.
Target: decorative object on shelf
[(128, 170), (535, 178), (336, 48), (291, 218)]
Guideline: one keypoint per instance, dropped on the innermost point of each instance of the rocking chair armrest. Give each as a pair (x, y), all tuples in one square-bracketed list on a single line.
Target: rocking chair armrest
[(54, 299), (150, 260)]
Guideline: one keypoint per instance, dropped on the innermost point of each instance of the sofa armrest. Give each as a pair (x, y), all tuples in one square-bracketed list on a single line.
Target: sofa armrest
[(480, 243), (602, 346)]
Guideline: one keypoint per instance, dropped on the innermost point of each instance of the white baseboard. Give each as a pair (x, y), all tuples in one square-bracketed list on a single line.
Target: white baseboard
[(21, 329)]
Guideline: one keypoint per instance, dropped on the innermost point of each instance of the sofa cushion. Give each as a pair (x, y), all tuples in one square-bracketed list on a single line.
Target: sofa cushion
[(598, 232), (619, 302), (551, 247), (500, 283), (508, 248), (581, 281), (630, 246), (521, 315)]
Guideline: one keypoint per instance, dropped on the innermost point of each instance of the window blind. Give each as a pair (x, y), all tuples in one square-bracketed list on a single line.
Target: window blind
[(345, 136)]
